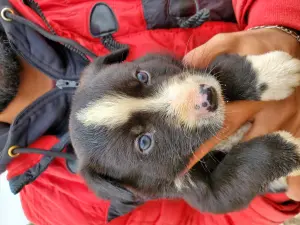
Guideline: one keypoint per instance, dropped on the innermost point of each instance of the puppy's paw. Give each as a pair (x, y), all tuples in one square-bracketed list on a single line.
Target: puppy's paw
[(281, 185), (291, 144), (277, 73), (288, 138)]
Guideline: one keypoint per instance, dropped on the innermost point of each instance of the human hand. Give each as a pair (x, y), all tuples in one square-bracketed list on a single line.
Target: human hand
[(250, 42), (282, 115)]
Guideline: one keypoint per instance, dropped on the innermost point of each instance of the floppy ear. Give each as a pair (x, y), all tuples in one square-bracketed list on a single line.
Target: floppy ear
[(101, 62), (106, 187), (120, 208), (122, 200), (117, 56)]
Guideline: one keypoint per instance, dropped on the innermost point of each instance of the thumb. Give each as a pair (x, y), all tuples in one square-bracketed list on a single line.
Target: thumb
[(293, 188), (201, 56), (237, 113)]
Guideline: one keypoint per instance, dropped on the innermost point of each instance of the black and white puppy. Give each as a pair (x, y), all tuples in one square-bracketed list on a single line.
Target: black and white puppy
[(137, 124)]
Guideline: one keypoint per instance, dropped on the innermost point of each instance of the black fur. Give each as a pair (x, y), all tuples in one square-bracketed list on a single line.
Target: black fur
[(115, 170), (245, 172), (236, 76), (10, 68)]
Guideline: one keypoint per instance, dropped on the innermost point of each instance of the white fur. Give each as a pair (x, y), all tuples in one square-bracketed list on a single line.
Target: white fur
[(279, 70)]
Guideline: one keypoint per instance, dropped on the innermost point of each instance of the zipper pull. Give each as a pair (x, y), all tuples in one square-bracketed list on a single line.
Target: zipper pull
[(61, 84)]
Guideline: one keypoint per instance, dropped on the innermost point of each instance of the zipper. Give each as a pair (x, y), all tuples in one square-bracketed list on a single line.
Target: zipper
[(61, 84), (108, 41), (35, 7)]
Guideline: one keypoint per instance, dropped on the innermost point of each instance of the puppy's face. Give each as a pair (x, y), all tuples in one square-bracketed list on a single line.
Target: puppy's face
[(139, 123)]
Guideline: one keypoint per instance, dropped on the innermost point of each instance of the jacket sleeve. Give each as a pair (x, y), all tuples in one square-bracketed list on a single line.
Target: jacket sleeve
[(272, 209), (251, 13)]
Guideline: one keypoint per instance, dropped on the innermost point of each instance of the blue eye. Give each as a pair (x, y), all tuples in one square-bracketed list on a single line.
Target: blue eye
[(143, 77), (144, 143)]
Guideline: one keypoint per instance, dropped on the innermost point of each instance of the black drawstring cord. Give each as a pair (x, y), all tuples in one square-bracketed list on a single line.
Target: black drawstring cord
[(196, 20), (108, 41), (69, 156), (35, 6), (55, 151), (112, 45)]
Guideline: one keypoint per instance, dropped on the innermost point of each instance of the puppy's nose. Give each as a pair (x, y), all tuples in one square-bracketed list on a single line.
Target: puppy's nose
[(209, 98)]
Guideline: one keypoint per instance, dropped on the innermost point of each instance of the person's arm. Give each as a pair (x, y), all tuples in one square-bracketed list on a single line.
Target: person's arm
[(252, 13)]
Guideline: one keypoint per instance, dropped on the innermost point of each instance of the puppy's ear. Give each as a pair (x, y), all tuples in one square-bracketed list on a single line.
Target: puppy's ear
[(122, 200), (117, 56), (106, 187), (120, 208), (162, 56), (88, 74)]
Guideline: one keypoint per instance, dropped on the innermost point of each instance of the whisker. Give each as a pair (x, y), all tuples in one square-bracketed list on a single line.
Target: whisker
[(204, 166), (187, 43), (213, 157)]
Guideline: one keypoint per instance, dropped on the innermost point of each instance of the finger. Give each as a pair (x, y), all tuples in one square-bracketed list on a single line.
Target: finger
[(239, 112), (261, 126), (258, 129), (236, 114), (201, 56), (293, 188), (244, 111)]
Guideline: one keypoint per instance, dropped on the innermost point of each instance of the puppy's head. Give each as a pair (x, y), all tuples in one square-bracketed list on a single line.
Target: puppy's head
[(137, 124)]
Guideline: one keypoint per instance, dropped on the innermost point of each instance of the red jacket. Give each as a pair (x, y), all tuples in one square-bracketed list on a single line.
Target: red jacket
[(58, 197)]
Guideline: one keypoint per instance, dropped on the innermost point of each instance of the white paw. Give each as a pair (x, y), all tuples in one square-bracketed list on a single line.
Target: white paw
[(278, 72)]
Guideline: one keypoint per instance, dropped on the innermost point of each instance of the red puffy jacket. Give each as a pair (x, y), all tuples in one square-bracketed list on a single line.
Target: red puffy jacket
[(58, 197)]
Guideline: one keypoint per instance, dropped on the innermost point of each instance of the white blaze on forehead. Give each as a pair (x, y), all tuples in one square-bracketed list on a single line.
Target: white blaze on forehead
[(116, 110), (173, 99)]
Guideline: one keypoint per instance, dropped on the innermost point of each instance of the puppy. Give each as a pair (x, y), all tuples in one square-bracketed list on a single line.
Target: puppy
[(135, 125)]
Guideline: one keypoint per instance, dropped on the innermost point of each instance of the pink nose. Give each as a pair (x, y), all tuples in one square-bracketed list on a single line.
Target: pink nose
[(206, 100)]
